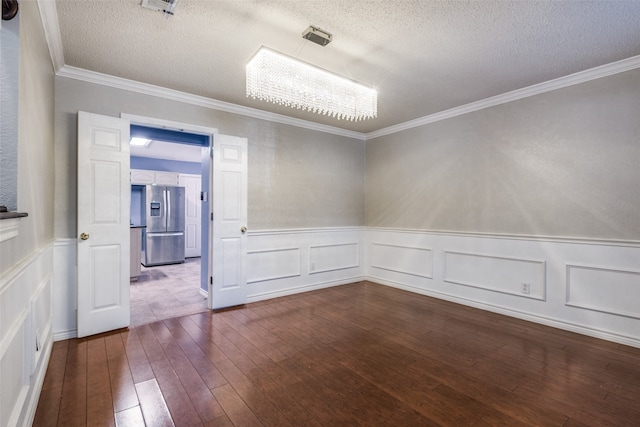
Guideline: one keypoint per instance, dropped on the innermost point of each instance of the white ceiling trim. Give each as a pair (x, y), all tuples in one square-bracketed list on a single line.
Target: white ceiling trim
[(147, 89), (175, 95), (559, 83), (49, 17)]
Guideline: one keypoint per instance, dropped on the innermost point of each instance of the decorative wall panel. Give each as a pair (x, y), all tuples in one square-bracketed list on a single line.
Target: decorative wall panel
[(604, 289)]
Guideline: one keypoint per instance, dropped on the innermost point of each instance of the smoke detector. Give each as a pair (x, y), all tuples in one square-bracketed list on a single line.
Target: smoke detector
[(317, 35), (165, 6)]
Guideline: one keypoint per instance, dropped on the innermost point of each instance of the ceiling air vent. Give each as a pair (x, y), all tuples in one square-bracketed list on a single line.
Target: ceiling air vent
[(165, 6), (316, 35)]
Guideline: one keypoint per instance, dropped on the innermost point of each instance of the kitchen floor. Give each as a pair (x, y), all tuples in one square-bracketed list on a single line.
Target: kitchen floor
[(167, 291)]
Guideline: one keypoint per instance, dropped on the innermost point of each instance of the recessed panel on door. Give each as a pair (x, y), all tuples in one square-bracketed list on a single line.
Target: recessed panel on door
[(106, 195), (231, 154), (106, 273), (106, 139), (231, 185), (230, 248)]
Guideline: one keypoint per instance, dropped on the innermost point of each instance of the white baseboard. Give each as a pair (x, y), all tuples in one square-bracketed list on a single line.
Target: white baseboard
[(65, 335)]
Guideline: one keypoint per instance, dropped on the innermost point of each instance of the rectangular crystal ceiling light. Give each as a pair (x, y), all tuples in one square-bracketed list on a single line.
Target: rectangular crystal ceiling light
[(280, 79)]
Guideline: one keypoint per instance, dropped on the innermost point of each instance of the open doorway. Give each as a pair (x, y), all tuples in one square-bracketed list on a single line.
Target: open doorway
[(171, 278), (103, 179)]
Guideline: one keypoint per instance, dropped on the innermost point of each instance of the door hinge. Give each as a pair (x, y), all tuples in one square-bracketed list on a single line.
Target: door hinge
[(211, 216), (211, 152), (211, 280)]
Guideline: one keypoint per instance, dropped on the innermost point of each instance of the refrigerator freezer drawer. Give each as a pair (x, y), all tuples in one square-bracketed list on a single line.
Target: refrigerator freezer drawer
[(163, 248)]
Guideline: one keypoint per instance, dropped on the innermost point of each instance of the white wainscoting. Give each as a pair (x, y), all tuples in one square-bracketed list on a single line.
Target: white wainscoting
[(64, 291), (496, 273), (340, 256), (26, 337), (402, 259), (285, 262), (609, 290), (589, 287), (271, 264), (585, 286)]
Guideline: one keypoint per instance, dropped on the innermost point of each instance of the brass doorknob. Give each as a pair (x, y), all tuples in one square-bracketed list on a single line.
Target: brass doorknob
[(84, 236), (243, 229)]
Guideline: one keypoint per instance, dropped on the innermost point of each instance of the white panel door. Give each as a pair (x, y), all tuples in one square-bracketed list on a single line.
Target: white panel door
[(103, 223), (193, 215), (228, 243)]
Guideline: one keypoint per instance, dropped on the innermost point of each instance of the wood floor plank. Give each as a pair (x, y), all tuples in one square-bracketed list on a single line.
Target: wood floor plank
[(131, 417), (154, 408), (151, 345), (136, 356), (234, 407), (48, 407), (57, 364), (97, 370), (358, 354), (265, 411), (73, 403), (199, 394), (119, 373), (180, 406), (100, 410)]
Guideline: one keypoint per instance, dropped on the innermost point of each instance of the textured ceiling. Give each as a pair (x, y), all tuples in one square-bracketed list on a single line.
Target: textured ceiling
[(423, 57)]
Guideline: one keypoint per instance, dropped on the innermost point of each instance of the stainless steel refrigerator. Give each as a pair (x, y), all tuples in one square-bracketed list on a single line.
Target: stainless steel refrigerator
[(163, 237)]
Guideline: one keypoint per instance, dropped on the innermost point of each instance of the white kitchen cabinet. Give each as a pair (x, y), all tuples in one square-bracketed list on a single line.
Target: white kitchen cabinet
[(166, 178), (144, 177), (135, 253)]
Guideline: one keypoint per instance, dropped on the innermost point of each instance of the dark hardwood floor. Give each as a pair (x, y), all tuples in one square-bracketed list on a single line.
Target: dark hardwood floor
[(359, 354)]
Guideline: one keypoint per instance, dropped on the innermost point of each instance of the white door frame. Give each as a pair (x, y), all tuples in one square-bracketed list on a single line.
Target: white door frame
[(188, 128)]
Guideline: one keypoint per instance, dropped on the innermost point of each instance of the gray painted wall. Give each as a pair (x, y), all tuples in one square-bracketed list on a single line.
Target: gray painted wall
[(9, 72), (26, 261), (35, 141), (564, 163), (298, 178)]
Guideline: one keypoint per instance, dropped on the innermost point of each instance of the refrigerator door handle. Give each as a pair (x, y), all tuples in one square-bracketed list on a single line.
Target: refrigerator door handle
[(180, 233), (168, 193)]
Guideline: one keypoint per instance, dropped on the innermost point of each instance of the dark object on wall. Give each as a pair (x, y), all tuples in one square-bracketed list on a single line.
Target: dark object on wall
[(9, 9)]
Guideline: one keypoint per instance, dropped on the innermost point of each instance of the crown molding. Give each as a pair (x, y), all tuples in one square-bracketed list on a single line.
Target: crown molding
[(548, 86), (49, 18), (214, 104)]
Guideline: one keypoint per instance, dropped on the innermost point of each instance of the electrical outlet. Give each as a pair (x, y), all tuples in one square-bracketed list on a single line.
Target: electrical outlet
[(525, 288)]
